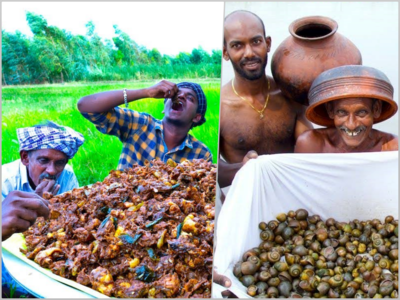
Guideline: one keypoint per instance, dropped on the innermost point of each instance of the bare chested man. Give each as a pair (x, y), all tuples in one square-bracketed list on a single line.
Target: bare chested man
[(255, 117), (349, 100)]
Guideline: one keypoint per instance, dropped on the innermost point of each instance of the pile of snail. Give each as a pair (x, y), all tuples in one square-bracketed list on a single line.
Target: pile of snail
[(303, 256)]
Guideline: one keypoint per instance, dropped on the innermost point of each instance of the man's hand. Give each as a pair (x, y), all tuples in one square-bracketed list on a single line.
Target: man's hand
[(227, 171), (48, 186), (163, 89), (19, 210), (250, 155), (221, 280), (225, 282)]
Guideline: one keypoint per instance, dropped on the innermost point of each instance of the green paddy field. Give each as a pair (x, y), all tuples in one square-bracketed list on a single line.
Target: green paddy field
[(24, 106)]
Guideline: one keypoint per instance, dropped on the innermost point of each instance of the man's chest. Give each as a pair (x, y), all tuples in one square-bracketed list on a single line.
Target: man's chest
[(245, 130)]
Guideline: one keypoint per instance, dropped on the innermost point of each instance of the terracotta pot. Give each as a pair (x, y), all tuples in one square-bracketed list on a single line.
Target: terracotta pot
[(349, 82), (313, 47)]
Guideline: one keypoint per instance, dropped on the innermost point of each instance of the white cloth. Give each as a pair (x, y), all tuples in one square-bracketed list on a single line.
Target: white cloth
[(15, 178), (343, 186)]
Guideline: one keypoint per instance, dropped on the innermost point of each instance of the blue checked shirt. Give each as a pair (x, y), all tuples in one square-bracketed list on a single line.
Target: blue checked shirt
[(143, 138)]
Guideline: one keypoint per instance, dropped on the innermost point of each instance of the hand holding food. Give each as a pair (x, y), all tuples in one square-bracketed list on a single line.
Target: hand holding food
[(19, 210), (163, 89), (47, 185)]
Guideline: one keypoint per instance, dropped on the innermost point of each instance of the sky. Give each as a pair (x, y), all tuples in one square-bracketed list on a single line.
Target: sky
[(170, 27)]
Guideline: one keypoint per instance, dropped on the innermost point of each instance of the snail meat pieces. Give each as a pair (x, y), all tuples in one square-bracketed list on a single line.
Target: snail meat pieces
[(147, 231)]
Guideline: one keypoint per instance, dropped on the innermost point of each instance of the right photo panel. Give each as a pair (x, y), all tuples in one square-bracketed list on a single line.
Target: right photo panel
[(307, 198)]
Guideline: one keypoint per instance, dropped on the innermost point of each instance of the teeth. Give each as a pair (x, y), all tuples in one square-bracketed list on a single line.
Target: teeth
[(352, 133)]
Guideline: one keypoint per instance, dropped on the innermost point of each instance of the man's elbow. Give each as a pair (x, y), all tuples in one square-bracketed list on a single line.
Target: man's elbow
[(82, 105)]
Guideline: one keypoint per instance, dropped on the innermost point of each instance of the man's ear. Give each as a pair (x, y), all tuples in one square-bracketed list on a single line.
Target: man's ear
[(376, 108), (197, 118), (24, 157), (329, 110), (225, 53), (268, 42)]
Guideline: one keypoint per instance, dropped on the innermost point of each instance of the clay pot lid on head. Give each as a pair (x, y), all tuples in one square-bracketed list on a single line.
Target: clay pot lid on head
[(348, 82)]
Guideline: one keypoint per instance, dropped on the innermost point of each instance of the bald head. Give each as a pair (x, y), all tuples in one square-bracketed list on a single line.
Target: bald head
[(240, 16)]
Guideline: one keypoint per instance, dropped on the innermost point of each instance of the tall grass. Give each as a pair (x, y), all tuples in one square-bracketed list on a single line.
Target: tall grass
[(24, 106)]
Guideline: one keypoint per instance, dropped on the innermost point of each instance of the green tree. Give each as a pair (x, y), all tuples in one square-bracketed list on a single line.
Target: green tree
[(55, 55), (15, 58), (199, 56), (128, 48), (216, 57), (182, 59), (155, 56)]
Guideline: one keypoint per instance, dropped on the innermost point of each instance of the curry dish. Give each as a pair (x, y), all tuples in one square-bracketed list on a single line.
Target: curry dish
[(144, 232)]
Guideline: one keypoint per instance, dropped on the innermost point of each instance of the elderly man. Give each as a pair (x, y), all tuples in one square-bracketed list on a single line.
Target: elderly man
[(349, 100), (255, 117), (44, 152), (143, 136)]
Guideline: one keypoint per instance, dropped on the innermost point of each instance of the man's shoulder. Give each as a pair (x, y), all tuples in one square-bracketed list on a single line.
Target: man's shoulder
[(197, 143), (317, 134), (226, 88), (11, 179), (312, 140), (67, 180), (390, 142), (226, 94), (68, 169), (10, 169)]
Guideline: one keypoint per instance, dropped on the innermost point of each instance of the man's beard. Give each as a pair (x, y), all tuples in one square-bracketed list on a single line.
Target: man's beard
[(175, 122), (257, 74)]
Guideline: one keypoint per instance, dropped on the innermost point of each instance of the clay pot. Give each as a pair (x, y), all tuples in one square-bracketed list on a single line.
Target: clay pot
[(349, 82), (313, 47)]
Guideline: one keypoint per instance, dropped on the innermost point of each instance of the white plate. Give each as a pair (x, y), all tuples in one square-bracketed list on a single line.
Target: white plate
[(36, 282)]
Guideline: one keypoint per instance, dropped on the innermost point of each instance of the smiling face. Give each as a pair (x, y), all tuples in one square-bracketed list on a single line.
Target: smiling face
[(181, 110), (245, 45), (43, 163), (353, 118)]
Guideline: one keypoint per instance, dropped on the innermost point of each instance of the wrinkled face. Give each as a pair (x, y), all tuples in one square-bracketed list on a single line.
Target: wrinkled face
[(181, 109), (354, 117), (246, 45), (43, 163)]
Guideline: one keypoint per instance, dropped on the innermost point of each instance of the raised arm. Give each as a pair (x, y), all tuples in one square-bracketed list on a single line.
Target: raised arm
[(105, 101)]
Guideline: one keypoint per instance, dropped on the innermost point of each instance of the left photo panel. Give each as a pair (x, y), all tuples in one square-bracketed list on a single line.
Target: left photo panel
[(110, 117)]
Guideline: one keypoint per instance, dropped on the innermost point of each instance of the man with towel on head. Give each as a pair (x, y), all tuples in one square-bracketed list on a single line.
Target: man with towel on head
[(143, 136), (44, 150), (349, 100)]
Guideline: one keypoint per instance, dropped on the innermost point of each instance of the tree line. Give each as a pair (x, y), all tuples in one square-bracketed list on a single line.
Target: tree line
[(53, 55)]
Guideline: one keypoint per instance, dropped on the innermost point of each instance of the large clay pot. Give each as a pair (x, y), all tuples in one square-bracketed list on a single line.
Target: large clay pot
[(313, 47)]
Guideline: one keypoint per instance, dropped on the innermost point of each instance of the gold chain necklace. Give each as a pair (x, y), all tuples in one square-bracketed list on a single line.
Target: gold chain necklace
[(260, 112)]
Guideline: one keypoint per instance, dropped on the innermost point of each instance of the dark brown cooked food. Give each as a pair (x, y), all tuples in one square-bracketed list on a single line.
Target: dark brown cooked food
[(144, 232)]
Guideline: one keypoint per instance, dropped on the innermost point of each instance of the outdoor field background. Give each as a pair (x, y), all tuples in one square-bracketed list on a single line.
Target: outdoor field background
[(24, 106)]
